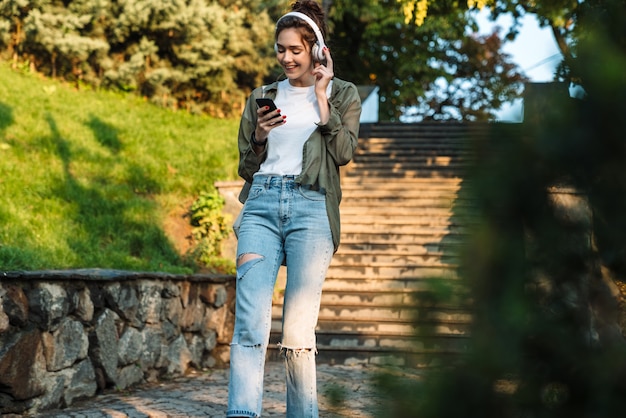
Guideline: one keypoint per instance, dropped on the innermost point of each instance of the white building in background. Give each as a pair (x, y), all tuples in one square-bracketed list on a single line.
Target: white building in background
[(369, 103)]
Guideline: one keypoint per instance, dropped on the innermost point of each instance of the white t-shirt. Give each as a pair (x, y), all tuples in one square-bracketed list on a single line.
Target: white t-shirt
[(285, 143)]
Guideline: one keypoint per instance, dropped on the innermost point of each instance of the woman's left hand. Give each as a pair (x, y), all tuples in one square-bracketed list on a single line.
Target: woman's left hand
[(323, 74)]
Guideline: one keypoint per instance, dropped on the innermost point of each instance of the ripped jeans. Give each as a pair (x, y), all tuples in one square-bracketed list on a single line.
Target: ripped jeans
[(281, 221)]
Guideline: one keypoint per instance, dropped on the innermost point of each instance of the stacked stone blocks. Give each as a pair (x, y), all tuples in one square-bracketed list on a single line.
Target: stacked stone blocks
[(69, 335)]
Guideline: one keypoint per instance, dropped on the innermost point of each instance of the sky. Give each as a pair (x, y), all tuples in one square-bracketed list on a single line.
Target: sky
[(534, 50)]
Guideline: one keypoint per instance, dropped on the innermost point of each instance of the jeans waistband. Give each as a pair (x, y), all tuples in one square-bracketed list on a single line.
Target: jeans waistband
[(274, 179)]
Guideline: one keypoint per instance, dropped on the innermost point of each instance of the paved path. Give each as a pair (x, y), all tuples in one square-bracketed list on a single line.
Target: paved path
[(204, 394)]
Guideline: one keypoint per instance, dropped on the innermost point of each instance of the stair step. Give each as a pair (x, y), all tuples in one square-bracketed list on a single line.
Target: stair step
[(410, 272), (409, 203), (390, 342), (384, 328), (347, 209), (452, 226), (398, 182), (384, 313), (426, 181), (400, 299), (414, 245), (371, 253), (404, 215), (378, 356), (391, 189), (432, 172), (373, 284), (409, 222), (411, 158), (330, 313), (360, 216), (338, 328), (373, 242), (402, 191), (382, 342), (438, 260), (411, 232), (460, 139), (433, 259), (392, 159), (410, 166)]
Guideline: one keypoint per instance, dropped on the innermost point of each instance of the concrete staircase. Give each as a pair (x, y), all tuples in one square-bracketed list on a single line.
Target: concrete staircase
[(403, 220)]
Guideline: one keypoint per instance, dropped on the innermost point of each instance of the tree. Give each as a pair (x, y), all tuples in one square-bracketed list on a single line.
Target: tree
[(201, 55), (11, 27), (206, 55), (558, 14), (56, 39), (435, 70)]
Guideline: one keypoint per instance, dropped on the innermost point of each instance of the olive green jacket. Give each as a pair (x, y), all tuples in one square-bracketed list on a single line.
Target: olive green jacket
[(329, 146)]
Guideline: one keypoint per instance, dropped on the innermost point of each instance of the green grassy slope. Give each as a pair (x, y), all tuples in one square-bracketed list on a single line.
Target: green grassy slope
[(87, 179)]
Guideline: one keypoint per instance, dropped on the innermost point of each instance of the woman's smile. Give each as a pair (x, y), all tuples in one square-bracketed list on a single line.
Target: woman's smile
[(294, 55)]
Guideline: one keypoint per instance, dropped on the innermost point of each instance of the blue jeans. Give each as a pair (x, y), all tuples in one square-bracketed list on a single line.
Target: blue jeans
[(281, 222)]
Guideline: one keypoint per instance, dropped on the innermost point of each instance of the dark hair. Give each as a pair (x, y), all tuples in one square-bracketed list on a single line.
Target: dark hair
[(313, 10)]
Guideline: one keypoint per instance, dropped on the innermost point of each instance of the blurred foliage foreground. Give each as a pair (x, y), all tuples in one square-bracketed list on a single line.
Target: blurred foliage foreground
[(544, 276)]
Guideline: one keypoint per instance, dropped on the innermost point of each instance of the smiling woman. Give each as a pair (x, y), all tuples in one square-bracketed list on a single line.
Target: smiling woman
[(290, 159)]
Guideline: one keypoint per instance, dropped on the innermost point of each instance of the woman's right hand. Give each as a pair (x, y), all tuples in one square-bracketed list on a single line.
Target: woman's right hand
[(266, 122)]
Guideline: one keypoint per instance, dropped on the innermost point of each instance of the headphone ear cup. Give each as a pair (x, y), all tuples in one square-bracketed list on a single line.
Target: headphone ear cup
[(317, 53), (276, 48)]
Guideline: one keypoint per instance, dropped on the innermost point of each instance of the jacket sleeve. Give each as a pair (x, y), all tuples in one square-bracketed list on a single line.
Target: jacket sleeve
[(249, 161), (342, 130)]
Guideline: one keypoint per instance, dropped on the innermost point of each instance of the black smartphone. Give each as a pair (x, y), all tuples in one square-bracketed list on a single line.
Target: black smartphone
[(265, 101)]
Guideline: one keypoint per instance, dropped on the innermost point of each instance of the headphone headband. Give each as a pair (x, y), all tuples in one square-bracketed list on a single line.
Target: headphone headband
[(318, 53)]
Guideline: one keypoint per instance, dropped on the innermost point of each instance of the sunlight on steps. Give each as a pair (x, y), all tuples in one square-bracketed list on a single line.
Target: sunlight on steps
[(404, 219)]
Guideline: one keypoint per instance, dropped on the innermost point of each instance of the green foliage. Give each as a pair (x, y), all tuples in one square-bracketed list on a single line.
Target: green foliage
[(205, 56), (336, 395), (91, 179), (437, 70), (200, 55), (556, 13), (210, 229), (57, 36)]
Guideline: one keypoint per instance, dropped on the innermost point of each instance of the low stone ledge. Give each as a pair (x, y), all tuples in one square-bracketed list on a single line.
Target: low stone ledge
[(67, 334), (109, 274)]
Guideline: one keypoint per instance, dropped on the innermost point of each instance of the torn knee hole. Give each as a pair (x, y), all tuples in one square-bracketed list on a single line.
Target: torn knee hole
[(296, 351), (244, 258), (249, 345)]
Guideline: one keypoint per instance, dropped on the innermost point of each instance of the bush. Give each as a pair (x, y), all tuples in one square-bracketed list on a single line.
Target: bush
[(210, 228)]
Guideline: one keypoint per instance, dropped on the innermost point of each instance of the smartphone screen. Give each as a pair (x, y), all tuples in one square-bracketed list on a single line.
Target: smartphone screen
[(262, 102)]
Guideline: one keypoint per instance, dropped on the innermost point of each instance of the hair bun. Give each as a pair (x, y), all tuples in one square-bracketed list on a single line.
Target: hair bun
[(314, 10)]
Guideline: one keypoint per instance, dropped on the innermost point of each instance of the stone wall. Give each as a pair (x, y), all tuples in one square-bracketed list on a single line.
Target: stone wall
[(66, 335)]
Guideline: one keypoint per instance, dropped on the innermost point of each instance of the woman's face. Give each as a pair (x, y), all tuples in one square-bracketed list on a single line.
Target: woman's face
[(294, 55)]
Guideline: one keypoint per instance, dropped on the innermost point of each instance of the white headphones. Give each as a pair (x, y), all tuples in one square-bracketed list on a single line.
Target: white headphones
[(317, 52)]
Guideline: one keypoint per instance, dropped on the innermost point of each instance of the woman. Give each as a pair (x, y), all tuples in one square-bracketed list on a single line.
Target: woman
[(290, 159)]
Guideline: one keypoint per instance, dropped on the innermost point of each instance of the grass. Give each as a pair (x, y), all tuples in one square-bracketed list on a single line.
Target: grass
[(89, 178)]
